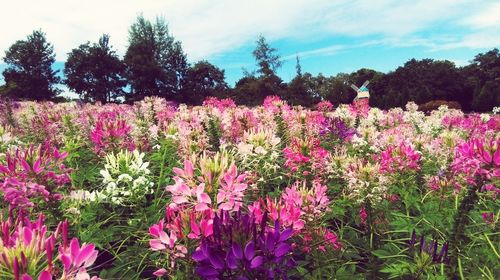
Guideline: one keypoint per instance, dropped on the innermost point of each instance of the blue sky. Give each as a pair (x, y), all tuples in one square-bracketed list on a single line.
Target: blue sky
[(329, 36)]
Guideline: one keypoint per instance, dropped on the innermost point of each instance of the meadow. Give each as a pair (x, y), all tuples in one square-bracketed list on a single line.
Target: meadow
[(220, 191)]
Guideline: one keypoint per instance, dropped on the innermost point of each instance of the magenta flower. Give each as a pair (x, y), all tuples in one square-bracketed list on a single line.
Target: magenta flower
[(111, 134), (27, 248), (31, 174), (399, 159), (230, 194), (221, 104), (477, 157), (324, 106), (167, 242)]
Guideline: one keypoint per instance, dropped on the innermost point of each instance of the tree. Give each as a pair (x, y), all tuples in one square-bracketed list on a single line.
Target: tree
[(251, 90), (95, 72), (203, 80), (482, 80), (419, 81), (29, 73), (335, 89), (267, 59), (156, 63), (299, 92)]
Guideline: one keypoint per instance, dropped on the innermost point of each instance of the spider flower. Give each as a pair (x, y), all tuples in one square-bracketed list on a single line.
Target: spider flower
[(241, 247), (27, 249), (34, 173)]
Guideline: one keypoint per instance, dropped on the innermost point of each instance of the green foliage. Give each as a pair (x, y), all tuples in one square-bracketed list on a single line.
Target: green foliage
[(214, 131), (282, 130), (203, 80), (29, 74), (121, 231), (482, 80), (267, 59), (419, 81), (156, 63), (299, 90), (95, 72)]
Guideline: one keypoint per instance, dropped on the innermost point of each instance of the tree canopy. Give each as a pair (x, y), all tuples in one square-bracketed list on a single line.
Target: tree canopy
[(95, 72), (29, 74), (155, 61), (203, 80), (155, 64)]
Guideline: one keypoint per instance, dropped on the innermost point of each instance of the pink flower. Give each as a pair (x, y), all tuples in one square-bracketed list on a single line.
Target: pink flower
[(203, 228), (488, 218), (399, 159), (230, 194), (221, 104), (363, 215), (477, 157), (111, 133), (162, 240), (28, 244), (36, 172), (324, 106), (76, 258), (160, 272)]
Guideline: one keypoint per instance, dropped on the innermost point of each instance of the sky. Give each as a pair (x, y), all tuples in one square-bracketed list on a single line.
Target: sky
[(328, 36)]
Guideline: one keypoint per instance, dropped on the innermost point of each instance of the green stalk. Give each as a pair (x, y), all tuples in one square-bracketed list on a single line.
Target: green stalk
[(458, 236)]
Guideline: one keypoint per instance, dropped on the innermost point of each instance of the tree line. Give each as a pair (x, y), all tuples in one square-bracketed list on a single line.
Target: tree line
[(155, 65)]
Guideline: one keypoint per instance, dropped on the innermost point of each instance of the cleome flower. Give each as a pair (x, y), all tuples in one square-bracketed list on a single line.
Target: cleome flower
[(33, 174), (27, 250), (125, 178), (226, 189)]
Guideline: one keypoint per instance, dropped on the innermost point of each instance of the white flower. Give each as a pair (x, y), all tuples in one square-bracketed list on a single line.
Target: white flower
[(245, 149), (485, 117), (105, 174), (125, 178), (121, 169), (260, 150)]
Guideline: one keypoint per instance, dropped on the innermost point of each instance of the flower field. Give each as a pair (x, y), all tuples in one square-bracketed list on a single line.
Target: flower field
[(219, 191)]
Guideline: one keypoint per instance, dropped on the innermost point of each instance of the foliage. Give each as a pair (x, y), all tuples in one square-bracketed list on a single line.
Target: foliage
[(156, 64), (203, 80), (435, 104), (95, 72), (29, 74)]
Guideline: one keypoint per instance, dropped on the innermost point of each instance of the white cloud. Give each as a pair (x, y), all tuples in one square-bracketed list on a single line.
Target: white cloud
[(317, 52), (210, 27)]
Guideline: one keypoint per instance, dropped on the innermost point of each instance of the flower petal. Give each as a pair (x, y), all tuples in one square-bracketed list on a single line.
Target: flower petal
[(256, 262)]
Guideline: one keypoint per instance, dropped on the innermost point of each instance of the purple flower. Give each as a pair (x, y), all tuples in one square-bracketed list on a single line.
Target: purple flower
[(337, 129), (241, 248), (430, 249)]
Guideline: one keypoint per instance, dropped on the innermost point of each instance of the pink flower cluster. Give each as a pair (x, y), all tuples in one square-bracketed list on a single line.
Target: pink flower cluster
[(324, 106), (477, 157), (472, 123), (360, 107), (27, 248), (300, 208), (322, 238), (170, 233), (221, 104), (192, 210), (399, 159), (304, 156), (190, 191), (33, 173), (274, 104), (111, 133), (296, 206)]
